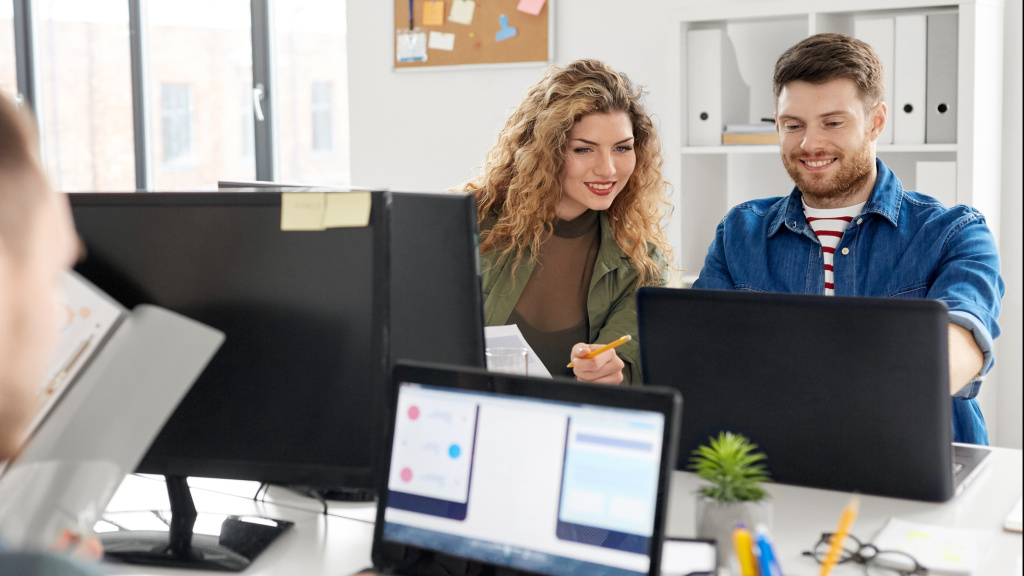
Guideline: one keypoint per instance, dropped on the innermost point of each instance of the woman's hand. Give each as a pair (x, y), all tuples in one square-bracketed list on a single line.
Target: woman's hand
[(605, 368)]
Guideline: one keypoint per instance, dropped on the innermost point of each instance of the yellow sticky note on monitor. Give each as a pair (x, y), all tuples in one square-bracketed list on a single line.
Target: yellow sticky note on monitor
[(433, 12), (462, 11), (302, 211), (347, 210)]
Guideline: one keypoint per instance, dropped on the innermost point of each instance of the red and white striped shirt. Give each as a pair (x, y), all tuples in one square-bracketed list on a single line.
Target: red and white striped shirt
[(828, 225)]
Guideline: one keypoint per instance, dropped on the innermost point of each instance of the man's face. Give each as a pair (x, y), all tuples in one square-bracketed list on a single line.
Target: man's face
[(28, 312), (828, 141)]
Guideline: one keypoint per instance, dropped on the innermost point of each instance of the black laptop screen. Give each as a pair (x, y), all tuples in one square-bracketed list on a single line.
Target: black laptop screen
[(534, 485)]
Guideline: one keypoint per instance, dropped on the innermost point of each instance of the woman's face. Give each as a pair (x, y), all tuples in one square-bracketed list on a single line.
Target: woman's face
[(598, 163)]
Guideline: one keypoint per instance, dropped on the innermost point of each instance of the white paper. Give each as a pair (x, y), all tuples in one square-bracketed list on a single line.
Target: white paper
[(441, 41), (682, 557), (86, 316), (1013, 519), (510, 336), (462, 11), (954, 551)]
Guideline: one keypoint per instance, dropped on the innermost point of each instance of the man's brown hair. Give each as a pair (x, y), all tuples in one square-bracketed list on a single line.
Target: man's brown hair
[(826, 57), (21, 177)]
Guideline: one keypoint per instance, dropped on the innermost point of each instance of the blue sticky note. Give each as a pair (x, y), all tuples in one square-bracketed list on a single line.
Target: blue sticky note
[(506, 31)]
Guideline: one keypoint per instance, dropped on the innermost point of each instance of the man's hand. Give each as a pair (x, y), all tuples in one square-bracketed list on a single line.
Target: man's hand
[(605, 368), (965, 358)]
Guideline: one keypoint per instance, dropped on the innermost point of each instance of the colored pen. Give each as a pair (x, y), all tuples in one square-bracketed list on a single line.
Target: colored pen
[(842, 531), (743, 544), (607, 347), (766, 554)]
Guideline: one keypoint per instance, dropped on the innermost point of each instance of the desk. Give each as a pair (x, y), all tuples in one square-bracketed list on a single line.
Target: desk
[(339, 543), (802, 514)]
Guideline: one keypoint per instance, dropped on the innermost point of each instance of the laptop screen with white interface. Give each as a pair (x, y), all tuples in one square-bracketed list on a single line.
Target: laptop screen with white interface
[(537, 485)]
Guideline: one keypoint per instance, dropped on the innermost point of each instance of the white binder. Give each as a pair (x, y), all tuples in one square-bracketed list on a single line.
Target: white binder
[(907, 108), (880, 34), (940, 122), (716, 94)]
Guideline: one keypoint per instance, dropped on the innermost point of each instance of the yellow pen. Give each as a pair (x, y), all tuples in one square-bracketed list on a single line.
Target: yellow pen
[(607, 347), (743, 544), (842, 531)]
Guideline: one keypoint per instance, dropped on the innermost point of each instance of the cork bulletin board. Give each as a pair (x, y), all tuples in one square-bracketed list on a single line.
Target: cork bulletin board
[(474, 32)]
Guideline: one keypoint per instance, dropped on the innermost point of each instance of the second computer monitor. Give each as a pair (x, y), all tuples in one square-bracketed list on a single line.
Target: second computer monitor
[(436, 303)]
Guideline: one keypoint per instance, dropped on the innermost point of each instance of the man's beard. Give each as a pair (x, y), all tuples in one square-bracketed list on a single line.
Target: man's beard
[(853, 172)]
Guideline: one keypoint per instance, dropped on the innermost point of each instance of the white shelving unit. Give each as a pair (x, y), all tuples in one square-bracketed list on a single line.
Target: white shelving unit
[(715, 178)]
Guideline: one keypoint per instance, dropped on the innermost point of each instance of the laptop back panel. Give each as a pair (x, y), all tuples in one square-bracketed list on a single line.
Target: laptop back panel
[(842, 393), (524, 476)]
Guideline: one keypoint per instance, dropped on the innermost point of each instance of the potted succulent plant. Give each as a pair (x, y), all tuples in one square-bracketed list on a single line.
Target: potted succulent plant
[(734, 469)]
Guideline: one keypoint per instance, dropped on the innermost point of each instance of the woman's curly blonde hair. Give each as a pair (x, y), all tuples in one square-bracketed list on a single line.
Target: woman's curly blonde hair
[(521, 179)]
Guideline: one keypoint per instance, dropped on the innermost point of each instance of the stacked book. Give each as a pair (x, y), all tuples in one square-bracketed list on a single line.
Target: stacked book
[(759, 133)]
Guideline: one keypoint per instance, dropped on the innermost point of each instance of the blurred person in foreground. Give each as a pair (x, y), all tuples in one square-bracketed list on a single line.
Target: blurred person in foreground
[(37, 245)]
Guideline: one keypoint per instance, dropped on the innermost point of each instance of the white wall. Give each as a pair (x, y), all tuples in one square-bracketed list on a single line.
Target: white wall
[(429, 130), (1009, 374)]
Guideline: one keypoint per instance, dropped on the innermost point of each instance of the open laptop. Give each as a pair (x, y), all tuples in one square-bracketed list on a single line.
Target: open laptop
[(842, 393), (492, 473)]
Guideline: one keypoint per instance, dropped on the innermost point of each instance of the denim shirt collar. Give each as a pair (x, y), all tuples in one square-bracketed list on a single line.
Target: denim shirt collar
[(886, 200)]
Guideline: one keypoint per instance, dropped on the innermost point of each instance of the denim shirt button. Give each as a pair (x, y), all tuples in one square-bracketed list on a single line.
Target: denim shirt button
[(846, 251), (860, 221)]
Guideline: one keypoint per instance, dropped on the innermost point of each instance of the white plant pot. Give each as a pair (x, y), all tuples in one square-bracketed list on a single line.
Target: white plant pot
[(716, 520)]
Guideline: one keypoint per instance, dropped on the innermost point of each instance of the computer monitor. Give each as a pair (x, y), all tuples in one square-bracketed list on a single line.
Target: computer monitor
[(296, 393), (436, 306)]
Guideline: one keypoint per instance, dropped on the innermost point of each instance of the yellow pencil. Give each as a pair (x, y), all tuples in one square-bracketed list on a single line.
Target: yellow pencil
[(607, 347), (842, 531)]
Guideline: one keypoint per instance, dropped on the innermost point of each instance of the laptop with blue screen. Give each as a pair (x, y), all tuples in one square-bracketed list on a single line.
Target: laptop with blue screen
[(493, 473)]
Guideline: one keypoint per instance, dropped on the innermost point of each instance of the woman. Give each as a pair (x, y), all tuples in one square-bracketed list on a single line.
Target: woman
[(570, 201)]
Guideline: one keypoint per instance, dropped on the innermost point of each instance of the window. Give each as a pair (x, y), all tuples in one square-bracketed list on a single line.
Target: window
[(176, 123), (200, 52), (198, 126), (8, 65), (323, 122), (247, 121), (311, 76), (84, 94)]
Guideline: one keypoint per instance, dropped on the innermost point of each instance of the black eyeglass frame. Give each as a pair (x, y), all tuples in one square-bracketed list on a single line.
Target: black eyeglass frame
[(864, 555)]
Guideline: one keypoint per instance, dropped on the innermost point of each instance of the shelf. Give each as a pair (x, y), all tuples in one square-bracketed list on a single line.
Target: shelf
[(774, 149)]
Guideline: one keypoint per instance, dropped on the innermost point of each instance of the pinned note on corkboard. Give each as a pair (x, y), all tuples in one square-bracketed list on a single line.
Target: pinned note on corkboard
[(472, 32)]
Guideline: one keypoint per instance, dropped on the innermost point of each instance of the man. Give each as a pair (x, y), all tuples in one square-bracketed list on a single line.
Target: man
[(36, 247), (849, 228)]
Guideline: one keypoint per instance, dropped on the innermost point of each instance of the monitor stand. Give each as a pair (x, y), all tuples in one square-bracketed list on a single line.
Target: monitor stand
[(182, 538)]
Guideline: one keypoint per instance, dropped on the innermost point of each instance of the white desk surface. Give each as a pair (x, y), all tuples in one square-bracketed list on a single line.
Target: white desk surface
[(339, 544)]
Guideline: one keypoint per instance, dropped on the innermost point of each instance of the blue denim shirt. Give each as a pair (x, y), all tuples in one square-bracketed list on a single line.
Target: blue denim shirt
[(903, 245)]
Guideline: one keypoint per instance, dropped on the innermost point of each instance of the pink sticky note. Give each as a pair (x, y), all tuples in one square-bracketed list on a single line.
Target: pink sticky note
[(531, 6)]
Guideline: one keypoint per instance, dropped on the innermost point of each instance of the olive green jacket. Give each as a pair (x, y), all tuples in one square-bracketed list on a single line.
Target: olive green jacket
[(611, 301)]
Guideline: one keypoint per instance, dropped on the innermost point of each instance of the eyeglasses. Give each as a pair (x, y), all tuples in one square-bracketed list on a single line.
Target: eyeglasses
[(876, 562)]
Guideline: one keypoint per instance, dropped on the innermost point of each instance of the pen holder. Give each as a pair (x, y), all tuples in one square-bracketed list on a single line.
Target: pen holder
[(716, 520)]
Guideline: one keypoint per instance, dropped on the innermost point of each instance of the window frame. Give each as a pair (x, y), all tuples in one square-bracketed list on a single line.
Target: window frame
[(262, 83)]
